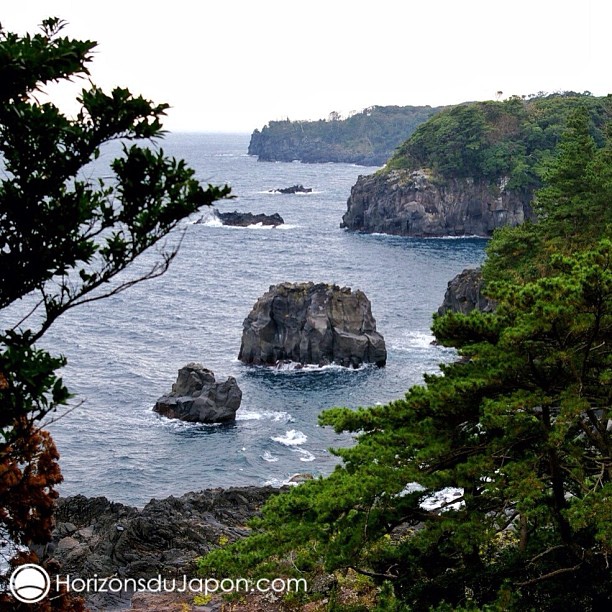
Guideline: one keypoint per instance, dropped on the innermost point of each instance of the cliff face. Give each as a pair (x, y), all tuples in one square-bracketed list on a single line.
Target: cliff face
[(312, 324), (408, 203), (269, 146), (464, 294)]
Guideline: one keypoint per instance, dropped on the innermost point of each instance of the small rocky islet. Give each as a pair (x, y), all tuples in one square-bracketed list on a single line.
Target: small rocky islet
[(312, 323)]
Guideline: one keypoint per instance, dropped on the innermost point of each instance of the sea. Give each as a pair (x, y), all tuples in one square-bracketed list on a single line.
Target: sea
[(124, 352)]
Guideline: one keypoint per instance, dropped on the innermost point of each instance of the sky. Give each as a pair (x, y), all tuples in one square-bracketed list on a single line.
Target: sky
[(235, 65)]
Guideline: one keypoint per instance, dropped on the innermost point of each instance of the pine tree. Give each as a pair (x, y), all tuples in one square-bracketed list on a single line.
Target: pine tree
[(491, 484)]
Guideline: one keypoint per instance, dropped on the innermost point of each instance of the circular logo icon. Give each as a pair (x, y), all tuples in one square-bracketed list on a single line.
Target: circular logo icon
[(30, 583)]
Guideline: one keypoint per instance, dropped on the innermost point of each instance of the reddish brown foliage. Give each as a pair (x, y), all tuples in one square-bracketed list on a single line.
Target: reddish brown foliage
[(29, 471)]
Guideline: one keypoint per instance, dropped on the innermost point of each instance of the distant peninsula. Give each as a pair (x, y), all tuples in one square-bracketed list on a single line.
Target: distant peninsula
[(368, 138)]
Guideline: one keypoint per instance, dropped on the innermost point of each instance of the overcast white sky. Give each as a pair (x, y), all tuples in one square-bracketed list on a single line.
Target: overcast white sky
[(233, 65)]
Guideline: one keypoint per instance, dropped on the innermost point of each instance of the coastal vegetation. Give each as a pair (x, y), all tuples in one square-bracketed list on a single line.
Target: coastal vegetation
[(64, 240), (489, 487), (512, 139), (368, 137)]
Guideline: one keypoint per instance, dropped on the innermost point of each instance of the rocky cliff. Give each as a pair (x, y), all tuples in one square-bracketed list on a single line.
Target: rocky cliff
[(311, 323), (464, 294), (97, 537), (412, 203)]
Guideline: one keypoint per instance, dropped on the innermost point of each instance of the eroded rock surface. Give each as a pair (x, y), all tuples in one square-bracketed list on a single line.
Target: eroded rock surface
[(464, 294), (408, 203), (198, 398), (244, 219), (97, 537), (312, 323)]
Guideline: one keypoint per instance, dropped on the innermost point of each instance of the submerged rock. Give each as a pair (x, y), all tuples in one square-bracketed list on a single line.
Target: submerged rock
[(244, 219), (197, 397), (464, 294), (311, 323)]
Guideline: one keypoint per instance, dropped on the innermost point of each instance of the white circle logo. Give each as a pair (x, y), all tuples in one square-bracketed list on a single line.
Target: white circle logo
[(30, 583)]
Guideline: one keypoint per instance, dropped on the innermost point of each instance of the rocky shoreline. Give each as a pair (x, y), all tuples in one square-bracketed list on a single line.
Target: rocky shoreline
[(98, 537), (407, 203)]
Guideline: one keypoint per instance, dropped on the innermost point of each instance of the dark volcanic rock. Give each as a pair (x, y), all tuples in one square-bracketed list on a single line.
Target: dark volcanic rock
[(94, 536), (464, 294), (244, 219), (312, 324), (292, 189), (411, 204), (198, 398)]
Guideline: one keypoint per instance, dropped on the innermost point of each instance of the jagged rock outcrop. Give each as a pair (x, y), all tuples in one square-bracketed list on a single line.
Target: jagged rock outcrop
[(312, 324), (198, 398), (293, 189), (464, 294), (244, 219), (94, 536), (408, 203)]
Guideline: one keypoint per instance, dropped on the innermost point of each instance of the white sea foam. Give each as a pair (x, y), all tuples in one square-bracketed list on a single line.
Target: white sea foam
[(278, 483), (306, 455), (293, 366), (284, 226), (253, 415), (291, 481), (216, 222), (181, 425), (415, 340), (211, 221), (292, 438), (269, 457)]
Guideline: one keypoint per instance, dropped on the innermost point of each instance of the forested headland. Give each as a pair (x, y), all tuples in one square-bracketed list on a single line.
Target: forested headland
[(368, 137), (471, 168)]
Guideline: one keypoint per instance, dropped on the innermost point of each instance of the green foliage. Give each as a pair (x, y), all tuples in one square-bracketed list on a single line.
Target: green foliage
[(490, 486), (510, 140), (65, 238), (368, 137), (573, 209)]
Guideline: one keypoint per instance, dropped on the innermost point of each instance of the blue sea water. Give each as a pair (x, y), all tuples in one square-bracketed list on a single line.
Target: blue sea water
[(124, 352)]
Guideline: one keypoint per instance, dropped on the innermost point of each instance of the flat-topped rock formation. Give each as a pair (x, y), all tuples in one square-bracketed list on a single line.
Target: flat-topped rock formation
[(244, 219), (310, 323)]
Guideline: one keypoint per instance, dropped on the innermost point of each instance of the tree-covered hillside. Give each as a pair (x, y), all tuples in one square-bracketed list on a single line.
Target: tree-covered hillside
[(369, 137), (489, 487), (490, 140)]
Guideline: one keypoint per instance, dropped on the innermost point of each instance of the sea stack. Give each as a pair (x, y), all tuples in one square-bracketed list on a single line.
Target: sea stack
[(308, 323), (198, 398)]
